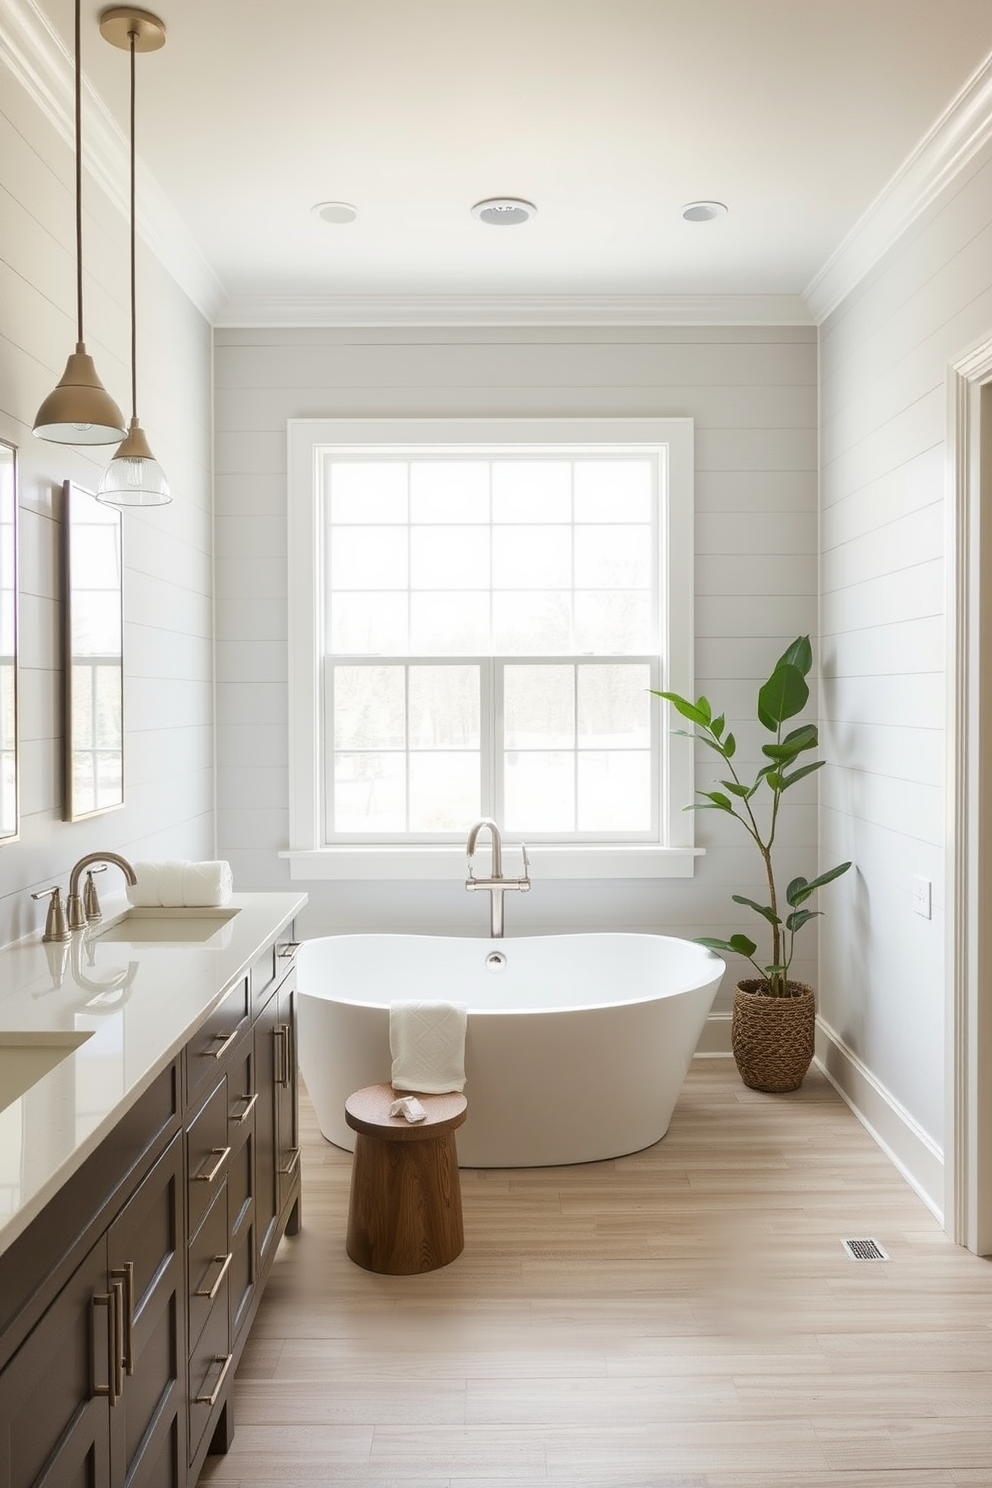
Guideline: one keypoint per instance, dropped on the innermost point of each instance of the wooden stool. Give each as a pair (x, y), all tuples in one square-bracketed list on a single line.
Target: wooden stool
[(405, 1213)]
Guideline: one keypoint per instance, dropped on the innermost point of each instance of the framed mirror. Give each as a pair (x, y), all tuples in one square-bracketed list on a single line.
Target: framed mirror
[(9, 819), (94, 656)]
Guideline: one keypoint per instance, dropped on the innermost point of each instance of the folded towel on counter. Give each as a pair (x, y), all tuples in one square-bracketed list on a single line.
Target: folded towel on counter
[(174, 884), (410, 1107), (427, 1042)]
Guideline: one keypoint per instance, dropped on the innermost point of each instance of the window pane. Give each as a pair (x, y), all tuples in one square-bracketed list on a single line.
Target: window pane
[(445, 792), (444, 708), (532, 491), (539, 707), (614, 706), (449, 491), (369, 793), (532, 557), (453, 624), (613, 622), (540, 792), (369, 707), (449, 558), (618, 489), (613, 557), (368, 490), (530, 622), (374, 624), (615, 790), (368, 558)]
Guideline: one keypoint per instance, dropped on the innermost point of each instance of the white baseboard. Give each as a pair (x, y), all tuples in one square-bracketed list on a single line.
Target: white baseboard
[(916, 1155), (904, 1143)]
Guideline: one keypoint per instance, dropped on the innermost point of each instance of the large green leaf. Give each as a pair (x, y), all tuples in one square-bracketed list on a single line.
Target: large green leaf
[(800, 889), (699, 712), (783, 696), (799, 655), (800, 917), (765, 910), (740, 945), (787, 780)]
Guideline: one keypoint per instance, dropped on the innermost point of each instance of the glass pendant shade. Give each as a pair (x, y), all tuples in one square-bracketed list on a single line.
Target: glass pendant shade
[(79, 410), (134, 477)]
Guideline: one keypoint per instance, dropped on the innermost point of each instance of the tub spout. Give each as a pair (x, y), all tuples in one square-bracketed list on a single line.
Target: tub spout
[(495, 883)]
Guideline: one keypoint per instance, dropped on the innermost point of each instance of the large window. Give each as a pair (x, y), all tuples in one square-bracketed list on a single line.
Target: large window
[(478, 611)]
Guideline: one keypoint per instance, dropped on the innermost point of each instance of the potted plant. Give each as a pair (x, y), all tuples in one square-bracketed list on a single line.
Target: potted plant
[(773, 1017)]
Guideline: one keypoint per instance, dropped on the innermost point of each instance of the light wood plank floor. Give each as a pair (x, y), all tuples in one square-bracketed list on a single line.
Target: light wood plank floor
[(682, 1318)]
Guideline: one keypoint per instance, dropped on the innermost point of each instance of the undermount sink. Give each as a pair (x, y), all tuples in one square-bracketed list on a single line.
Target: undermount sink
[(26, 1057), (165, 926)]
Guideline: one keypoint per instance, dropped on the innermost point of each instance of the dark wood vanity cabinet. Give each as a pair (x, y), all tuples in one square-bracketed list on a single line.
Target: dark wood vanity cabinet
[(125, 1306)]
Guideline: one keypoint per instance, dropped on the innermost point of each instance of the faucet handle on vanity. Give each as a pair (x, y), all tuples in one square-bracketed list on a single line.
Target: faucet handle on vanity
[(91, 899), (55, 921), (525, 881)]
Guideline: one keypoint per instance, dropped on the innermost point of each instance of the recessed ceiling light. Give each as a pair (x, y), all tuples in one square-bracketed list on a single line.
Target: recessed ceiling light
[(335, 211), (504, 211), (703, 211)]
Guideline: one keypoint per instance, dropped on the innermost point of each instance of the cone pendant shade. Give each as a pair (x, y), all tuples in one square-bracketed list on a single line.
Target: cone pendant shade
[(79, 410), (134, 477)]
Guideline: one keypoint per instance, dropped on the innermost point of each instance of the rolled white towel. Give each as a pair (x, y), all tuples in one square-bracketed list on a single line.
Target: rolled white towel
[(427, 1042), (175, 884)]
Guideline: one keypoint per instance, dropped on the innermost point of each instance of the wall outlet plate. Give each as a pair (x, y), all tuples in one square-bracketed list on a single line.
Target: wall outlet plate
[(922, 896)]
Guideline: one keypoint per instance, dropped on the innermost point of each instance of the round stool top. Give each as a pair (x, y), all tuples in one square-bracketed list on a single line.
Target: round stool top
[(367, 1110)]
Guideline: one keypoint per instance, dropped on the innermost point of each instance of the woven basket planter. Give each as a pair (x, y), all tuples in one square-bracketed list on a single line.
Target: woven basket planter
[(772, 1037)]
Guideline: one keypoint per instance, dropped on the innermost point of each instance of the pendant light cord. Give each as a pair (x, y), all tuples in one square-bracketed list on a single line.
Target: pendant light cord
[(134, 301), (79, 179)]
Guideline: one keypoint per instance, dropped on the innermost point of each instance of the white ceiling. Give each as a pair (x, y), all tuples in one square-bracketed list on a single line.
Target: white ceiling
[(608, 114)]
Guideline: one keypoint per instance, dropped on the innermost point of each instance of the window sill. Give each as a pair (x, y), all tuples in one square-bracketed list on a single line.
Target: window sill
[(448, 862)]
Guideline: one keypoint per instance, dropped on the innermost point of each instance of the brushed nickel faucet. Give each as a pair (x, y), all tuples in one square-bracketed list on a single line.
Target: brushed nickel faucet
[(495, 883), (77, 914)]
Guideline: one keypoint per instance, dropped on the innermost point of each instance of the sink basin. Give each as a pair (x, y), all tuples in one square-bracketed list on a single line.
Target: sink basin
[(166, 927), (26, 1057)]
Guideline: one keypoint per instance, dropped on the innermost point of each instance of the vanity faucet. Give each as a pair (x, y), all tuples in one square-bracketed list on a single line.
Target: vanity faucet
[(75, 911), (495, 883)]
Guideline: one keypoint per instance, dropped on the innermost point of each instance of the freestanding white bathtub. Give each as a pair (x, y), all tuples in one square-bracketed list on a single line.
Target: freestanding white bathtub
[(576, 1049)]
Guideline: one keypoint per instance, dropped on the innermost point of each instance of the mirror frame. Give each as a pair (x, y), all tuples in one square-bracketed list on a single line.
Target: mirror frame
[(78, 504), (9, 663)]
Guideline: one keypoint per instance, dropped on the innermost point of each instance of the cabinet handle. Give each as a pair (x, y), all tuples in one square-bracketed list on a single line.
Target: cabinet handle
[(110, 1301), (211, 1399), (223, 1261), (251, 1099), (219, 1053), (282, 1072), (125, 1274), (293, 1163), (221, 1154), (288, 949)]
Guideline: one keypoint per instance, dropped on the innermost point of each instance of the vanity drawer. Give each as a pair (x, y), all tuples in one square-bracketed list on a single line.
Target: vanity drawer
[(209, 1263), (210, 1363), (209, 1047), (208, 1150), (270, 968)]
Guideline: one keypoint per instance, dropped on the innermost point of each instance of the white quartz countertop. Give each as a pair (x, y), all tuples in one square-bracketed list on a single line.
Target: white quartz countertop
[(125, 1009)]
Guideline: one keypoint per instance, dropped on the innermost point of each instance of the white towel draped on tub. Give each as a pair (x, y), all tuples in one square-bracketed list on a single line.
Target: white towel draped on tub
[(427, 1042), (175, 884)]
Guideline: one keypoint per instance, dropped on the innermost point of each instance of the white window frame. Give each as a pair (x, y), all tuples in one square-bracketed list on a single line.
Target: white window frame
[(309, 440)]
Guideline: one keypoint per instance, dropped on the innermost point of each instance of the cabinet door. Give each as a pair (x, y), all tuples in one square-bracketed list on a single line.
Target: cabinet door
[(56, 1391), (146, 1254), (287, 1106), (267, 1043)]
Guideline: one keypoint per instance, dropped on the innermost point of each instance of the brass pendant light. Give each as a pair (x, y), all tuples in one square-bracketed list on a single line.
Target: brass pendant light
[(134, 477), (79, 410)]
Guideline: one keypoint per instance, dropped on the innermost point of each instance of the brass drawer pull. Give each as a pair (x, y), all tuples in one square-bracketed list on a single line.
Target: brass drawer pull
[(211, 1399), (293, 1163), (125, 1274), (289, 949), (251, 1099), (219, 1053), (221, 1154), (223, 1261), (283, 1071), (113, 1301)]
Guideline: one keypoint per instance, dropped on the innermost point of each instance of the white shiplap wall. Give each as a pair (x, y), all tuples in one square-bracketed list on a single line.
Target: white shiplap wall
[(752, 394), (884, 359), (167, 551)]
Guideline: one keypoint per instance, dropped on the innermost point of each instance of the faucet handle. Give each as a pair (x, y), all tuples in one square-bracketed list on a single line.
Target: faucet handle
[(91, 899), (55, 921)]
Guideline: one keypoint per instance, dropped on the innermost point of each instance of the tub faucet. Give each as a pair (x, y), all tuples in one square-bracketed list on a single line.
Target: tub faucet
[(75, 911), (495, 883)]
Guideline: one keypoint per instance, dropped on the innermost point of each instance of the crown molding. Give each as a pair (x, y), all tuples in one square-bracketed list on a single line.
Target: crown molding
[(961, 132), (39, 60), (514, 310)]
